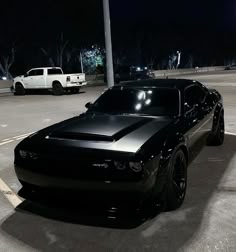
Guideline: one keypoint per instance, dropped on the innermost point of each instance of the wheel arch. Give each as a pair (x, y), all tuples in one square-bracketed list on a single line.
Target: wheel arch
[(18, 83), (56, 82)]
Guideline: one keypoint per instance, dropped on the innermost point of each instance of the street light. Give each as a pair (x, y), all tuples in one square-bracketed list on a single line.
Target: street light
[(178, 59), (107, 28)]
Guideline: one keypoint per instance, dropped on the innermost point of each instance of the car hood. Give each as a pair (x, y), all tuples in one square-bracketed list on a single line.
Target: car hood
[(102, 132)]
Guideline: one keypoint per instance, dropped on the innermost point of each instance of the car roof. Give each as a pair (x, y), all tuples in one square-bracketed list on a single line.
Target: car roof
[(162, 83)]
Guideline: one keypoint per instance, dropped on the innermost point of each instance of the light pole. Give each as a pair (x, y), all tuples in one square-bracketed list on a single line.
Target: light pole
[(178, 59), (107, 28), (81, 62)]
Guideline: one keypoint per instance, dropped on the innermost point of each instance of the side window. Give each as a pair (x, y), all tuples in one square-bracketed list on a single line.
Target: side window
[(193, 95), (31, 73), (38, 72)]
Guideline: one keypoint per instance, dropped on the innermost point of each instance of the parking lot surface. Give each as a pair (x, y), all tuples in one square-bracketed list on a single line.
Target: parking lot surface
[(205, 222)]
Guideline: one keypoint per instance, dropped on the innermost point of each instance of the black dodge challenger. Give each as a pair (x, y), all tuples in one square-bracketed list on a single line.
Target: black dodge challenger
[(131, 147)]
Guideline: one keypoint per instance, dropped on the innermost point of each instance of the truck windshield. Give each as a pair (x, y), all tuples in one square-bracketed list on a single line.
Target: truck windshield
[(54, 71)]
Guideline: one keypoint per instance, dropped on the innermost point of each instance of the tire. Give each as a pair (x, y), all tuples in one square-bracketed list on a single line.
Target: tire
[(57, 89), (74, 90), (217, 138), (176, 181), (19, 89)]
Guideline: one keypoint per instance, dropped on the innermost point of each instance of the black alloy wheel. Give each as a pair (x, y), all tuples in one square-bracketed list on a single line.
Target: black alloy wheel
[(217, 138), (176, 180)]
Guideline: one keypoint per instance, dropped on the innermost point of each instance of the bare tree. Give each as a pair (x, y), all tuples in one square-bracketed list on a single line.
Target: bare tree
[(55, 57), (50, 59), (6, 62)]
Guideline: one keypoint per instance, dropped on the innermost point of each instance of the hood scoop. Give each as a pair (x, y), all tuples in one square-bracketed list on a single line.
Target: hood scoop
[(81, 136), (105, 131)]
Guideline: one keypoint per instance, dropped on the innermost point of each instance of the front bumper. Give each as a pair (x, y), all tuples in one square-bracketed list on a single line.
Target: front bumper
[(108, 192)]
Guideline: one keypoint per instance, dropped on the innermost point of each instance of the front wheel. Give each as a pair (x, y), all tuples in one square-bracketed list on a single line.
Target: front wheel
[(176, 181), (19, 89)]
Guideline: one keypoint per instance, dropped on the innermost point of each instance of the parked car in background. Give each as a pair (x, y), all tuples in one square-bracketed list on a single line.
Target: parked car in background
[(231, 67), (51, 78), (128, 73), (129, 150)]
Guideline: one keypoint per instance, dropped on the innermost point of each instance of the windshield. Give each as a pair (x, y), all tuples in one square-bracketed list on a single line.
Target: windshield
[(146, 101)]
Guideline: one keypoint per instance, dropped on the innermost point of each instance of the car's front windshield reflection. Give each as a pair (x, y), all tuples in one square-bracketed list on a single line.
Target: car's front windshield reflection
[(138, 101)]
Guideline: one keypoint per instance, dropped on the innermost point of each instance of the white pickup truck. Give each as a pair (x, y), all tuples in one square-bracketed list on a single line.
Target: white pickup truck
[(51, 78)]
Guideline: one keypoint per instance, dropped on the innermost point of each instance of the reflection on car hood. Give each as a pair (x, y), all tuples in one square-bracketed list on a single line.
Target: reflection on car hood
[(105, 132)]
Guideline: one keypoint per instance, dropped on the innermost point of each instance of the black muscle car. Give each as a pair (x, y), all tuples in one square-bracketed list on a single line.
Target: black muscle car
[(131, 147)]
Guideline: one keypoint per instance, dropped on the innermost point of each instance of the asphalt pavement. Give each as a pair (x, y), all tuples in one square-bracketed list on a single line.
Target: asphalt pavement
[(205, 222)]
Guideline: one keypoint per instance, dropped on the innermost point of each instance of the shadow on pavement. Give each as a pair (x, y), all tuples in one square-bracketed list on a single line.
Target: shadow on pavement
[(40, 228)]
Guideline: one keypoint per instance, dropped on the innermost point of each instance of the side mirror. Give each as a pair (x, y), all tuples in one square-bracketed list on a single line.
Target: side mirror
[(26, 75), (88, 105)]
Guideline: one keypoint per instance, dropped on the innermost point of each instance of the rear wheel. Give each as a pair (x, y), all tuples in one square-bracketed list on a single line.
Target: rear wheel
[(217, 138), (19, 89), (176, 181), (57, 89)]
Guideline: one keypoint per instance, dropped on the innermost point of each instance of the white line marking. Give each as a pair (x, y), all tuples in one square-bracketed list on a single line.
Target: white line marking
[(6, 142), (7, 139), (3, 125), (9, 194), (19, 138), (230, 133), (23, 135)]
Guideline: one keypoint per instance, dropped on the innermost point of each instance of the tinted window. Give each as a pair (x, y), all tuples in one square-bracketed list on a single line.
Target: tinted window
[(153, 101), (38, 72), (31, 73), (194, 95), (54, 71), (35, 72)]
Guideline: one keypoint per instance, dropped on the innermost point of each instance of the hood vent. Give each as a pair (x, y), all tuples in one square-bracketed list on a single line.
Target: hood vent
[(81, 136)]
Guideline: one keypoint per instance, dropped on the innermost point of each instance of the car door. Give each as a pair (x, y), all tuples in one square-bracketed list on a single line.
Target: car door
[(197, 115)]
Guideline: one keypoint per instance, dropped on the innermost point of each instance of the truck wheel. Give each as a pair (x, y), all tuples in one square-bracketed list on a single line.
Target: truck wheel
[(19, 89), (57, 89), (74, 90)]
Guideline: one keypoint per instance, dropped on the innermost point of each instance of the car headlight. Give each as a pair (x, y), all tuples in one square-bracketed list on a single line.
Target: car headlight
[(23, 154), (134, 166), (28, 155)]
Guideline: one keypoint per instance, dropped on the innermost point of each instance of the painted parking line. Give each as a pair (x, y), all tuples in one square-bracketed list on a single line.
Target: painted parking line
[(9, 194), (6, 142), (15, 138), (230, 133), (23, 135)]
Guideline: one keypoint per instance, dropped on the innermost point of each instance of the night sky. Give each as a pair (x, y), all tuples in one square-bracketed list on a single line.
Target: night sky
[(207, 27)]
